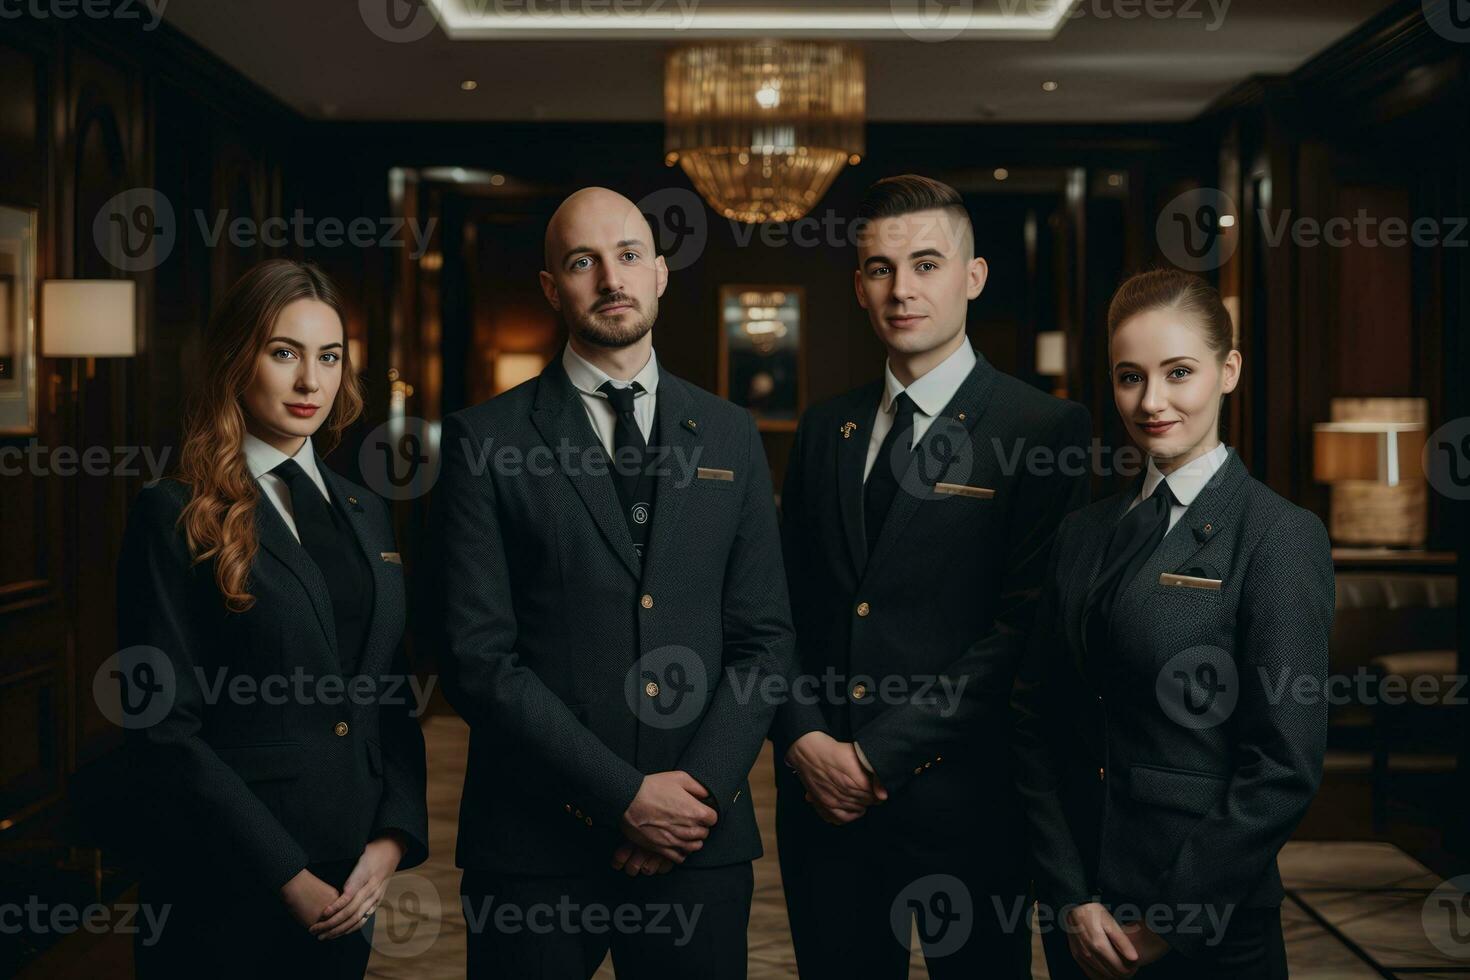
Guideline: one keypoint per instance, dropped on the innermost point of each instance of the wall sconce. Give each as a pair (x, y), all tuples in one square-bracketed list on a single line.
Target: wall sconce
[(1370, 455), (87, 318), (1051, 359)]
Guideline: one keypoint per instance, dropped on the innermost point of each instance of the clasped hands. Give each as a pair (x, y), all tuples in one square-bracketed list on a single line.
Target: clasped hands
[(666, 822), (837, 784), (1106, 950), (329, 914)]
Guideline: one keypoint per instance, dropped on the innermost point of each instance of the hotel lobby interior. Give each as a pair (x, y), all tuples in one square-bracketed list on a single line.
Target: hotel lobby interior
[(1308, 158)]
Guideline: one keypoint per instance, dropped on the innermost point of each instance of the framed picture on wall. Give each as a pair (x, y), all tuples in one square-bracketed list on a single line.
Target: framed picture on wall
[(17, 321), (763, 352)]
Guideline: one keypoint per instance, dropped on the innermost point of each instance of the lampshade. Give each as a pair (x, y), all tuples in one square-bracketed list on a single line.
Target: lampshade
[(1365, 451), (1051, 353), (762, 128), (88, 318)]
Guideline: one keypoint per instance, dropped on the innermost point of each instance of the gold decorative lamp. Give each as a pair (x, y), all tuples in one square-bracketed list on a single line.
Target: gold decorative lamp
[(762, 128), (1370, 454)]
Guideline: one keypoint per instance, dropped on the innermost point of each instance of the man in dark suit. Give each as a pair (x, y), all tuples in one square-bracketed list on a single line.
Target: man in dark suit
[(614, 603), (918, 512)]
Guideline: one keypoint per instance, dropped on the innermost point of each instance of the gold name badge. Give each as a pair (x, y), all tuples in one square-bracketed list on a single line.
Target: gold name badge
[(959, 489), (706, 473), (1189, 581), (392, 557)]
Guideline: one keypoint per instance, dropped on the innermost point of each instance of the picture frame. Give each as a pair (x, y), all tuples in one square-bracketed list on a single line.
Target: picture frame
[(762, 351), (17, 320)]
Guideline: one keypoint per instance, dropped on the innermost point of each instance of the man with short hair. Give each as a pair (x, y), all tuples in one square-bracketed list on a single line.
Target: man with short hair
[(916, 532)]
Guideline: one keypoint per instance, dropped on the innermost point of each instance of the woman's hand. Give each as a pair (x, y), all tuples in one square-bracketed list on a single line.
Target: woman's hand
[(363, 889), (307, 897), (1099, 945)]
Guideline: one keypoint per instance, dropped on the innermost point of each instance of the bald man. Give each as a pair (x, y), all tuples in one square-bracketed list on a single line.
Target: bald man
[(614, 604)]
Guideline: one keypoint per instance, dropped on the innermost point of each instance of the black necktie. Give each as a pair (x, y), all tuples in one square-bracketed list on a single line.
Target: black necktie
[(333, 547), (1134, 540), (630, 463), (883, 479)]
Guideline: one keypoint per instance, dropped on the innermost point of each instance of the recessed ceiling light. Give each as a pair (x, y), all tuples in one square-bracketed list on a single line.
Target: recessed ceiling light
[(469, 84), (1048, 86), (1001, 173)]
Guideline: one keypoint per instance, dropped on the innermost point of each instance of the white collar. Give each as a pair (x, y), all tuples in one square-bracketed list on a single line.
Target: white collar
[(1188, 480), (262, 457), (587, 377), (936, 388)]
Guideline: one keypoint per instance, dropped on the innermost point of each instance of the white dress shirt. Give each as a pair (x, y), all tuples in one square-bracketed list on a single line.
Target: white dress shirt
[(1186, 482), (587, 377), (929, 393), (262, 457)]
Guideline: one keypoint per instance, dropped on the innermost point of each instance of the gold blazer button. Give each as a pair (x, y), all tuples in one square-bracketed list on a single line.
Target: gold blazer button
[(859, 691), (340, 728), (646, 602), (651, 689), (863, 609)]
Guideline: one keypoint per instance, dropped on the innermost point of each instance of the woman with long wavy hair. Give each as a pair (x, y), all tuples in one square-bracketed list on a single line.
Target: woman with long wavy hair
[(282, 770)]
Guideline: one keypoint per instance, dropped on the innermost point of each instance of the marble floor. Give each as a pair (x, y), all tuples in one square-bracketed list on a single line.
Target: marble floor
[(1353, 908)]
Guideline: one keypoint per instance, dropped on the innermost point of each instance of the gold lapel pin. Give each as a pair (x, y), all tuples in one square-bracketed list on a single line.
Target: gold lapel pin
[(352, 500), (847, 428), (961, 416)]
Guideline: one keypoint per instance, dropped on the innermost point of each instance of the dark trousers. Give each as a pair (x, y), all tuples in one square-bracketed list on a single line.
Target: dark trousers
[(234, 933), (854, 893), (690, 922), (1252, 949)]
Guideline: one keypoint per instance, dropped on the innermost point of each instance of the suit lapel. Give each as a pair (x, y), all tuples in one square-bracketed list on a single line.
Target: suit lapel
[(963, 411), (1200, 523), (562, 421), (676, 436), (277, 538), (357, 518), (1092, 559), (852, 453)]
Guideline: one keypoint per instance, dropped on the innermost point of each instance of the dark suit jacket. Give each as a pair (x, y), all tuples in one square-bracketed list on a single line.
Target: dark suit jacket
[(1139, 787), (948, 589), (551, 620), (241, 782)]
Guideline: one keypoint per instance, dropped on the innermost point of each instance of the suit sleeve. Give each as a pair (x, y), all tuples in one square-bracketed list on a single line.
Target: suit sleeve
[(1285, 619), (403, 807), (796, 716), (484, 678), (907, 735), (758, 643), (1060, 876), (162, 598)]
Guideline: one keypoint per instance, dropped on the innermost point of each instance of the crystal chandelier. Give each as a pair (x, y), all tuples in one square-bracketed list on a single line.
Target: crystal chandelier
[(762, 128)]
